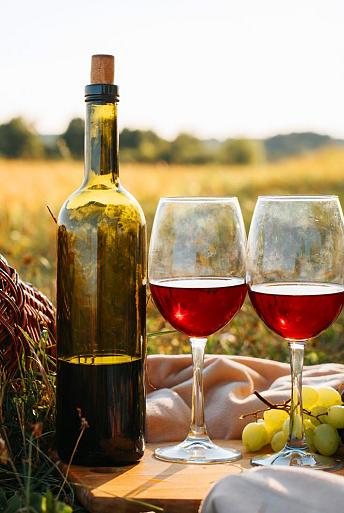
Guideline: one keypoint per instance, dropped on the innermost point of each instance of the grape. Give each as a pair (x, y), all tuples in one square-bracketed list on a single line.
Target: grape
[(278, 441), (309, 437), (326, 439), (328, 396), (314, 421), (310, 397), (321, 412), (308, 424), (336, 416), (269, 430), (254, 436), (275, 419)]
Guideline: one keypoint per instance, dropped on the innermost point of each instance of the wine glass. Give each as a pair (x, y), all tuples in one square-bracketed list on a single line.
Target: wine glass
[(197, 280), (295, 280)]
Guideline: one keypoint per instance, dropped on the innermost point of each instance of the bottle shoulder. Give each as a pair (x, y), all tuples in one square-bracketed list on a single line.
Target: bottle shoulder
[(133, 201), (101, 203)]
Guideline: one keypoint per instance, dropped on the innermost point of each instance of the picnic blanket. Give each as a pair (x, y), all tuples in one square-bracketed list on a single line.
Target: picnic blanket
[(277, 490)]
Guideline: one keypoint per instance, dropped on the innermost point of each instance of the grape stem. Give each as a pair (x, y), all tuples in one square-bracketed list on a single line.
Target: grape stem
[(279, 406)]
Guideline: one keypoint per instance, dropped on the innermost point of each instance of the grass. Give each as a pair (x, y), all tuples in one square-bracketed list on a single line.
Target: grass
[(30, 481), (27, 232)]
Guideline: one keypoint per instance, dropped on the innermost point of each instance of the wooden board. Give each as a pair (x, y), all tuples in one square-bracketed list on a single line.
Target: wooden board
[(175, 487)]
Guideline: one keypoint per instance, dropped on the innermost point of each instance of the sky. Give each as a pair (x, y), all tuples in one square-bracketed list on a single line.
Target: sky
[(216, 68)]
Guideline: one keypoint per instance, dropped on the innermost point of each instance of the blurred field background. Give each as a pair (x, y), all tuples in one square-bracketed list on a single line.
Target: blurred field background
[(27, 231)]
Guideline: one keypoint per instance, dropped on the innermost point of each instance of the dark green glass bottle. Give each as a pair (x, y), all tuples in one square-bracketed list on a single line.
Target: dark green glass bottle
[(101, 300)]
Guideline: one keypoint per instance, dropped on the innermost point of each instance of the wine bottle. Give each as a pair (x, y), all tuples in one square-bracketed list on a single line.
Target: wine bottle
[(101, 298)]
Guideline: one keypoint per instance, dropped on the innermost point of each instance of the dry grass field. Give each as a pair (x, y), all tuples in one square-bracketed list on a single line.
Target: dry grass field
[(27, 231)]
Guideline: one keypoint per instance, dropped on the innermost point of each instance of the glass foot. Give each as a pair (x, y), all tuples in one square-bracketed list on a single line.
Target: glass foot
[(298, 458), (201, 451)]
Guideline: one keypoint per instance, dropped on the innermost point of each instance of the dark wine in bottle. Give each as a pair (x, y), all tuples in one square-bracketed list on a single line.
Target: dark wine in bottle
[(101, 298)]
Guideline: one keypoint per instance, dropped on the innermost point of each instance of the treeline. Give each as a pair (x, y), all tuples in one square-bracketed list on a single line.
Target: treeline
[(18, 139)]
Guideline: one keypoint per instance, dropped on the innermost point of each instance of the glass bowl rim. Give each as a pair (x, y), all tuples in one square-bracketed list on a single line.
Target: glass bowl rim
[(197, 199), (299, 197)]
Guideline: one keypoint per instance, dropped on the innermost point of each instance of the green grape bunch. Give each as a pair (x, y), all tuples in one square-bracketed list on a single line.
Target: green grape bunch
[(323, 423)]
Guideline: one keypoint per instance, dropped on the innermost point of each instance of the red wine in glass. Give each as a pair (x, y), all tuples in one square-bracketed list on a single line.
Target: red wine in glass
[(297, 311), (198, 307)]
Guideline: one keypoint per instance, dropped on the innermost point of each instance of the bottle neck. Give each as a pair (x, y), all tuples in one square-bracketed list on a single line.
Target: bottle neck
[(101, 143)]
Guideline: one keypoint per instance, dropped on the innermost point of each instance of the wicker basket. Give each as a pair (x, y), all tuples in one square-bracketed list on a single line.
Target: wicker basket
[(22, 306)]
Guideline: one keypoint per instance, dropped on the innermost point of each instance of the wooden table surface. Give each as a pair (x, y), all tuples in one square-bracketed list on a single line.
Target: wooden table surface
[(174, 487)]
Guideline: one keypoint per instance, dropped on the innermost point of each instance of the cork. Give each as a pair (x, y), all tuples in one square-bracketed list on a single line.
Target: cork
[(102, 69)]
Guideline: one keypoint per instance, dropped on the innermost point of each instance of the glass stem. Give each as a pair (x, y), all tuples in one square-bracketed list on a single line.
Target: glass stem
[(198, 429), (296, 430)]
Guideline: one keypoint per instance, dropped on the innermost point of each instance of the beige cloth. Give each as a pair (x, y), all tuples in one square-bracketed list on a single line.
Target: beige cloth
[(229, 382), (277, 490)]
